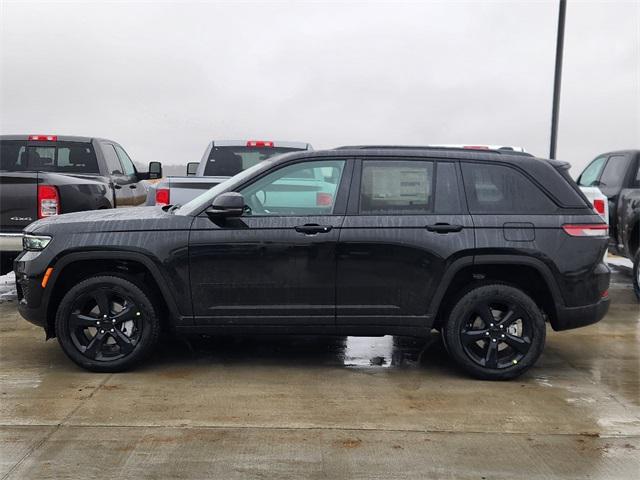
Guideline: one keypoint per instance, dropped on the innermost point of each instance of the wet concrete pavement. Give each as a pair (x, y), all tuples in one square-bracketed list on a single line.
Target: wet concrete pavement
[(316, 407)]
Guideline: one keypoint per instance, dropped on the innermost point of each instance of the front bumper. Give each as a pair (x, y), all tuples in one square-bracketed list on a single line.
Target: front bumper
[(10, 242), (574, 317), (32, 304)]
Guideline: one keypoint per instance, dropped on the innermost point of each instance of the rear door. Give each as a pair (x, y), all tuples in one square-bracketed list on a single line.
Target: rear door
[(119, 180), (18, 187), (405, 222)]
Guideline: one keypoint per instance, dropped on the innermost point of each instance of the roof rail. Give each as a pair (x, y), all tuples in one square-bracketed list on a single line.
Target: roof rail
[(431, 147)]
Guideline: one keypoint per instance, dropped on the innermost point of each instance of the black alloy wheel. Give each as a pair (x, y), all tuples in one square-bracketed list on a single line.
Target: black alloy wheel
[(107, 323), (495, 331), (496, 335)]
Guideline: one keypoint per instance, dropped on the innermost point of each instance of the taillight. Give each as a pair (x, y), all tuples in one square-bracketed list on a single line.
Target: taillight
[(589, 230), (48, 201), (598, 206), (324, 199), (259, 143), (162, 196), (43, 138)]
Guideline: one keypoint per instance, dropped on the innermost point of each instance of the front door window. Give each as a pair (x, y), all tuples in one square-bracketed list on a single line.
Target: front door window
[(300, 189)]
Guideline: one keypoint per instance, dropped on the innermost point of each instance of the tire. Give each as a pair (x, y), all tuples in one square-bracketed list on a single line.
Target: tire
[(132, 324), (636, 274), (495, 332)]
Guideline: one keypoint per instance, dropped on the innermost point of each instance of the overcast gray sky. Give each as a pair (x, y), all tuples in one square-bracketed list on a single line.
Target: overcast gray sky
[(164, 78)]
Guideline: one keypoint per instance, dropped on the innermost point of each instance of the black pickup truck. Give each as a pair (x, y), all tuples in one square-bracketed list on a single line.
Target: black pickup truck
[(44, 175), (617, 175)]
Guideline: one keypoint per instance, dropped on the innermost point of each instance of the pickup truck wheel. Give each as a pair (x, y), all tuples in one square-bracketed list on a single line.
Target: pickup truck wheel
[(107, 324), (495, 332), (636, 274)]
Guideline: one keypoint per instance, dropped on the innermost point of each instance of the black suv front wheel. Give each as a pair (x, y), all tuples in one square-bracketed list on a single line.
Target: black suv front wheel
[(495, 332), (107, 324)]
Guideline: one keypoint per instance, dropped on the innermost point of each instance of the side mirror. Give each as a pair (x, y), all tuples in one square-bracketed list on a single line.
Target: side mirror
[(229, 204), (192, 168), (155, 170)]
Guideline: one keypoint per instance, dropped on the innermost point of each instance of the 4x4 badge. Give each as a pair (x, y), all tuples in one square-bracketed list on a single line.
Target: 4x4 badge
[(21, 219)]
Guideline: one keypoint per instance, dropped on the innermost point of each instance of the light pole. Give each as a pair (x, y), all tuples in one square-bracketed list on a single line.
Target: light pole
[(557, 81)]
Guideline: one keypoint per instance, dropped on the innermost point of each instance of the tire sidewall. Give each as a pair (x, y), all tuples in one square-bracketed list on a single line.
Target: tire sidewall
[(460, 313), (150, 328)]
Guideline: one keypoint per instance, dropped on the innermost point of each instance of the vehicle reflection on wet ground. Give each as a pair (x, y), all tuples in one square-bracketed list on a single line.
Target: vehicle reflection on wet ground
[(324, 407)]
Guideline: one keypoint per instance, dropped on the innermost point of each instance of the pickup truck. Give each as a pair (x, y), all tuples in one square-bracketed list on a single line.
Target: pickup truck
[(45, 175), (617, 175), (222, 160)]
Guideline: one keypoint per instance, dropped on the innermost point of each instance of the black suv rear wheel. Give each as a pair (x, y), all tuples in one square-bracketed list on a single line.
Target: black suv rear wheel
[(495, 332), (107, 324)]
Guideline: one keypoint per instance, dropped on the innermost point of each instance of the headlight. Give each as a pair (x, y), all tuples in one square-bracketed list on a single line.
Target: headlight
[(35, 243)]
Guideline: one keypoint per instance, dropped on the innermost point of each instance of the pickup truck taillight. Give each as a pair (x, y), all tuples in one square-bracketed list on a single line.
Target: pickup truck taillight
[(598, 206), (162, 197), (48, 201)]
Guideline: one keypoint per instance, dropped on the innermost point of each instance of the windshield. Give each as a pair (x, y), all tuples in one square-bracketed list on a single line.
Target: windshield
[(64, 157), (194, 206), (230, 160)]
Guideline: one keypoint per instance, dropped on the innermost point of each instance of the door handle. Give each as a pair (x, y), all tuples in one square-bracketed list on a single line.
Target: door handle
[(312, 228), (133, 185), (116, 186), (444, 228)]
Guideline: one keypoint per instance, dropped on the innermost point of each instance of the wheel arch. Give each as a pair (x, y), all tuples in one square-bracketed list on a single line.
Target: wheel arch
[(76, 266), (529, 274)]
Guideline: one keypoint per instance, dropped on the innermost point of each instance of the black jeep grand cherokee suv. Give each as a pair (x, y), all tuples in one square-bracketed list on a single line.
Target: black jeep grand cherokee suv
[(483, 245)]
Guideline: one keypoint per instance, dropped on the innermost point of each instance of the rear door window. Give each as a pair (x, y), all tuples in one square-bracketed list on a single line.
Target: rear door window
[(396, 187), (499, 189)]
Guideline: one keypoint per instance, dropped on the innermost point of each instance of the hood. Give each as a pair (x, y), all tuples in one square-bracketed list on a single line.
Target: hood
[(112, 220)]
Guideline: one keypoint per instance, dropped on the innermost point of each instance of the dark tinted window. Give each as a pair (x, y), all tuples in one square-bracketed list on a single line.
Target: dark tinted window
[(615, 171), (113, 164), (396, 187), (229, 161), (72, 157), (447, 192), (502, 189), (13, 155)]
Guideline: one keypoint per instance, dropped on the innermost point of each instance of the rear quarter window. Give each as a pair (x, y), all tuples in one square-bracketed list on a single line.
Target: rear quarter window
[(500, 189)]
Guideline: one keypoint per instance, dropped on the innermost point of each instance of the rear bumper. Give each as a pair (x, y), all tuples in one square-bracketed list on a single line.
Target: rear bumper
[(574, 317), (10, 242)]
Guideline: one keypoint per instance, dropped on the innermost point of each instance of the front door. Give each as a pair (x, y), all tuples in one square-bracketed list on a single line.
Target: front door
[(405, 223), (275, 265), (119, 181)]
